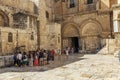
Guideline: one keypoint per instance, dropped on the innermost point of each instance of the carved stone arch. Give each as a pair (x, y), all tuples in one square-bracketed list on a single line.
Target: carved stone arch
[(91, 31), (90, 27), (4, 20), (70, 30), (71, 36)]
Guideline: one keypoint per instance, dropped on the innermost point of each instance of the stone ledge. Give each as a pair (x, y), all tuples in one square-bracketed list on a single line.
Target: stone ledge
[(6, 61)]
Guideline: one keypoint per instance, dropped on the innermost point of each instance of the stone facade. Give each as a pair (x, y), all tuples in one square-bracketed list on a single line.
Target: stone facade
[(116, 22), (54, 36), (50, 32), (22, 26), (18, 26), (51, 24), (84, 23)]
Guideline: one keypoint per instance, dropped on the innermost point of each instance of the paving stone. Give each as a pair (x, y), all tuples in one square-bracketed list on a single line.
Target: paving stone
[(92, 67), (86, 75)]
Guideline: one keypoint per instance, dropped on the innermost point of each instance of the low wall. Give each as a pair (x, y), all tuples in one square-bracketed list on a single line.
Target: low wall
[(109, 47), (6, 61)]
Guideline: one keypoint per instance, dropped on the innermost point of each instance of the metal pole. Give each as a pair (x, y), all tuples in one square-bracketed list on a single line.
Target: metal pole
[(16, 48), (17, 39), (108, 42)]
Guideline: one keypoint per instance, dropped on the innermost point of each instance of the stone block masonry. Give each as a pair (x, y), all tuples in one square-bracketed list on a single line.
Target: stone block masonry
[(6, 60)]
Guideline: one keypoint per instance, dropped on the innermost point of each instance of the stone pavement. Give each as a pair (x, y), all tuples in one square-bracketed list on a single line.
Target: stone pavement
[(77, 67)]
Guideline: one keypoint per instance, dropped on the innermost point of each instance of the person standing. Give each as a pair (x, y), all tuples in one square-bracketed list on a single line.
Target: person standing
[(41, 58), (30, 59), (72, 50), (19, 59), (15, 59), (48, 56), (25, 59), (59, 54), (52, 55), (67, 53), (35, 60)]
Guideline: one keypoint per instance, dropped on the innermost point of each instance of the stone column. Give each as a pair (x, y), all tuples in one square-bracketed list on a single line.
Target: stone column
[(117, 41), (116, 25), (116, 33), (10, 20), (118, 1), (98, 5), (79, 42), (28, 22), (83, 44), (99, 43)]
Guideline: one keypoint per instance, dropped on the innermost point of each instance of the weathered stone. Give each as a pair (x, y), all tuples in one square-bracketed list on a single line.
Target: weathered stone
[(83, 25), (20, 23), (86, 75), (105, 69)]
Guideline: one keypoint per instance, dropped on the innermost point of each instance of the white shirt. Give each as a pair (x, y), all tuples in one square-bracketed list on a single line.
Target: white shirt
[(19, 56)]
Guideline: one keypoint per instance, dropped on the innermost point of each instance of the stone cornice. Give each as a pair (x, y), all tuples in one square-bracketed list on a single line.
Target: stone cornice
[(104, 11), (15, 10), (116, 6)]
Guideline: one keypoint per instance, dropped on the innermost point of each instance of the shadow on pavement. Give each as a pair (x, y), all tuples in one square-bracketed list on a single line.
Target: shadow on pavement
[(53, 64)]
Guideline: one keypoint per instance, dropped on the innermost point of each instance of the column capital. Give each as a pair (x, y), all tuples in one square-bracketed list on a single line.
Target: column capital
[(117, 35)]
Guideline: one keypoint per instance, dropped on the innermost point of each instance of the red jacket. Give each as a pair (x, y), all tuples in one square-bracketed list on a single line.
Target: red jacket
[(52, 52)]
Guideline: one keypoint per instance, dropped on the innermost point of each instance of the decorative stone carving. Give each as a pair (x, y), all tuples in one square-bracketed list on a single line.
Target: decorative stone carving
[(4, 21), (70, 31), (117, 35), (90, 29), (91, 32), (1, 20), (20, 20)]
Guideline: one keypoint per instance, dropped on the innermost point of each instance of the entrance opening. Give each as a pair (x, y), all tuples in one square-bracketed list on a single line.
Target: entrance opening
[(75, 43)]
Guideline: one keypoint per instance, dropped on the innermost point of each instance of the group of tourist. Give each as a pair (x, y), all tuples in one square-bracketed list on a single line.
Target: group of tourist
[(33, 58), (39, 57)]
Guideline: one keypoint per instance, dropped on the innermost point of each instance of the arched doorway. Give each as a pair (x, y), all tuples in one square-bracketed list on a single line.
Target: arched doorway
[(91, 37), (70, 37), (1, 20), (4, 20)]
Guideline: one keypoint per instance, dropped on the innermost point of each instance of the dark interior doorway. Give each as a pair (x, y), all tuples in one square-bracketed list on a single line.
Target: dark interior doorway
[(75, 43)]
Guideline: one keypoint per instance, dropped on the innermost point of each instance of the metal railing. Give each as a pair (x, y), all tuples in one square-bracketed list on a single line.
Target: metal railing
[(90, 7)]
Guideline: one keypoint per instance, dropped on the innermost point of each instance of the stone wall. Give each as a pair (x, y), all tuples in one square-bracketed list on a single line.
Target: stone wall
[(6, 61), (54, 36), (43, 22), (47, 24), (26, 5), (95, 15), (23, 39), (109, 47), (81, 15), (22, 24), (105, 4), (62, 8)]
